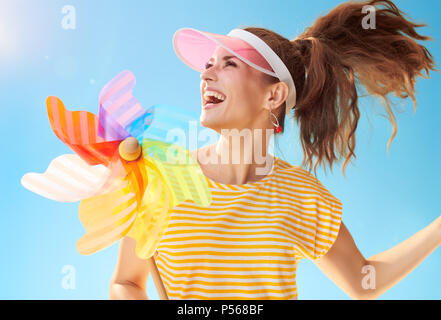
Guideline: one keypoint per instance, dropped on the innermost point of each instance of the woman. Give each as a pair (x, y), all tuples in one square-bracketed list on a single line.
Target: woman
[(266, 214)]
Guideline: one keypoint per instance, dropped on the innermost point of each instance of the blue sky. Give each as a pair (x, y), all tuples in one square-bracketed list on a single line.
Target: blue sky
[(387, 197)]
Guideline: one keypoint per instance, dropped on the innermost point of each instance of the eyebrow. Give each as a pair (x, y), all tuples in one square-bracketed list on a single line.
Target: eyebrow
[(225, 58)]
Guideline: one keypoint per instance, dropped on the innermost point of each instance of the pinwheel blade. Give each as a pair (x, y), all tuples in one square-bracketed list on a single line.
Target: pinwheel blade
[(153, 214), (107, 218), (180, 171), (173, 177), (176, 125), (121, 115), (67, 179), (79, 131)]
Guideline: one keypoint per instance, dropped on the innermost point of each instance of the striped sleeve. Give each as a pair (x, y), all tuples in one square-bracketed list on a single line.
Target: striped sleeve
[(320, 219)]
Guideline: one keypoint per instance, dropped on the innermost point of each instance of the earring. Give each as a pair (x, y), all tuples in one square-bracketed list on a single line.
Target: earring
[(277, 127)]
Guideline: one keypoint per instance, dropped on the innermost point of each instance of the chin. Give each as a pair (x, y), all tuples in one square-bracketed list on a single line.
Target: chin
[(210, 122), (207, 122)]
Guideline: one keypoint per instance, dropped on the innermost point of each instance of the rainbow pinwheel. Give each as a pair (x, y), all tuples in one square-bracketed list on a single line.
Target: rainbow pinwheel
[(127, 183)]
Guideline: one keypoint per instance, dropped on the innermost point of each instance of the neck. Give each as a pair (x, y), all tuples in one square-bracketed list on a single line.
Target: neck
[(240, 157)]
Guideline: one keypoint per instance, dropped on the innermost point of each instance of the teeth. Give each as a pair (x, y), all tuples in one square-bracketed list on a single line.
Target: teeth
[(215, 94)]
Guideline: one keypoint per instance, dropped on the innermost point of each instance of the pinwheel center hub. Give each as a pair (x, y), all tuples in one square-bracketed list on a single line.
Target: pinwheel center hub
[(130, 149)]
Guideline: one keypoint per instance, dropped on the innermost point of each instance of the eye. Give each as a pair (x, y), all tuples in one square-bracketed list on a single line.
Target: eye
[(208, 65)]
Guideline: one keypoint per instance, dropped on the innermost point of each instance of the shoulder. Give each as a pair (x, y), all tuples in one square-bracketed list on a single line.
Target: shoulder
[(299, 179), (291, 172), (315, 214)]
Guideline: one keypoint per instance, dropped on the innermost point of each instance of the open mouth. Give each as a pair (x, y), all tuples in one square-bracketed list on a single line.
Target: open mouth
[(212, 101), (210, 105)]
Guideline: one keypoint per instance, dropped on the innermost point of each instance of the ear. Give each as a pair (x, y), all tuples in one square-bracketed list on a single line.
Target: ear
[(277, 95)]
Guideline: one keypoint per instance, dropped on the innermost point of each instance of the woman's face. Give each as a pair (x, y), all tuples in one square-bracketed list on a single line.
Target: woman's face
[(244, 89)]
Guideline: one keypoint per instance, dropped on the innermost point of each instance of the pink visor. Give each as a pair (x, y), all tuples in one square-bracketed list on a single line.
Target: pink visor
[(196, 47)]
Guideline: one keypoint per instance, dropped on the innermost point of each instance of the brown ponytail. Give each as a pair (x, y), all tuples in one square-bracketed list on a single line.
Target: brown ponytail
[(339, 53)]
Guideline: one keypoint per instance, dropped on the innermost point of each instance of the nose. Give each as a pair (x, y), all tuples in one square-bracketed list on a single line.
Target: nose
[(208, 73), (206, 76)]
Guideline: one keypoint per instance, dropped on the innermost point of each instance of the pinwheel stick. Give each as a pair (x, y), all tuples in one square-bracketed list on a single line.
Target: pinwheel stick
[(157, 279), (130, 150)]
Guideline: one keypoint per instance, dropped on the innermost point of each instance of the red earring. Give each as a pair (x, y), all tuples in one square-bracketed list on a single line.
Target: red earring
[(277, 127)]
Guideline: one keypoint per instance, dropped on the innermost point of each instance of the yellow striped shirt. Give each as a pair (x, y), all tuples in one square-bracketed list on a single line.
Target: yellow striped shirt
[(248, 242)]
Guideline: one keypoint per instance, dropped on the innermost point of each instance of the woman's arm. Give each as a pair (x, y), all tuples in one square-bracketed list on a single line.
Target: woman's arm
[(127, 291), (369, 278), (129, 280)]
